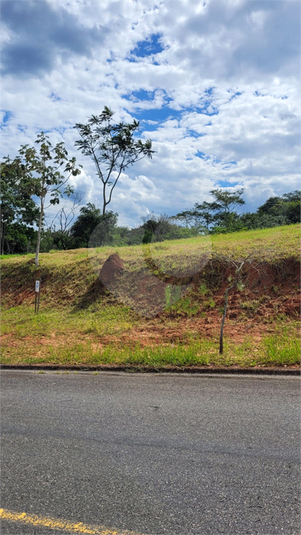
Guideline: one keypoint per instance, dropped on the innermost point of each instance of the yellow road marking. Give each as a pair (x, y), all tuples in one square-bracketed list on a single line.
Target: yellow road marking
[(63, 525)]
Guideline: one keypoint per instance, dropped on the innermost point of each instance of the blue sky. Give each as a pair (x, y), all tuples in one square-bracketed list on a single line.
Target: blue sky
[(214, 84)]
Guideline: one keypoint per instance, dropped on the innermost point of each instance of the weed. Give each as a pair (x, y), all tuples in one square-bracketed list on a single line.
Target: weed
[(203, 290), (249, 305), (209, 304), (172, 295)]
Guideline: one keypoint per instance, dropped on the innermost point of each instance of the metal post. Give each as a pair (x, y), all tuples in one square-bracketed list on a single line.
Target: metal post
[(37, 296)]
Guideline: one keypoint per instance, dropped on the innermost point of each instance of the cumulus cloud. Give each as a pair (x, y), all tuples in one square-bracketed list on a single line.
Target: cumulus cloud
[(213, 83), (39, 33)]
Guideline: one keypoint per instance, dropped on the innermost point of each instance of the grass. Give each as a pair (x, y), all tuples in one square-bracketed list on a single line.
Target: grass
[(23, 321), (279, 349), (88, 338), (80, 324), (263, 244)]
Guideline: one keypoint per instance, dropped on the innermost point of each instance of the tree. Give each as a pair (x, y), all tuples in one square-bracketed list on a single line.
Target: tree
[(234, 283), (112, 147), (220, 212), (286, 207), (91, 222), (204, 213), (18, 210), (223, 206), (199, 218), (267, 207), (47, 170), (61, 235), (290, 205)]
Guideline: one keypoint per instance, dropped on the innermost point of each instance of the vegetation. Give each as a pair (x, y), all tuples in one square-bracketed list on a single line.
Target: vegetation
[(173, 281), (92, 222), (39, 173), (84, 323), (92, 228), (112, 147), (42, 174), (61, 338), (18, 210), (220, 217)]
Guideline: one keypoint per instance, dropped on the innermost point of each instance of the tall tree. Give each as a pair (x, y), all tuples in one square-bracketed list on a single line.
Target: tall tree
[(203, 212), (112, 147), (48, 169)]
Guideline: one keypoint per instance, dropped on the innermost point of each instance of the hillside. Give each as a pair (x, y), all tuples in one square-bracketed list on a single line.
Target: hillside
[(165, 298)]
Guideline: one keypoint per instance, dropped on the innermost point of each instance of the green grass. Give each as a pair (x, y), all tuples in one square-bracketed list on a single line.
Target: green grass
[(23, 321), (271, 244), (280, 349)]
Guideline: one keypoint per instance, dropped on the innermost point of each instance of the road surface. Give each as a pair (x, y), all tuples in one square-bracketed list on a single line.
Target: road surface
[(154, 454)]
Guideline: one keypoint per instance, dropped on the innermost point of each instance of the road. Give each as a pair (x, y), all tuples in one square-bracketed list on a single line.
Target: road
[(154, 454)]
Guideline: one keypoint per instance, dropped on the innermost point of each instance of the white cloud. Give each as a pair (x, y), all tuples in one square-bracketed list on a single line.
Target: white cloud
[(222, 81)]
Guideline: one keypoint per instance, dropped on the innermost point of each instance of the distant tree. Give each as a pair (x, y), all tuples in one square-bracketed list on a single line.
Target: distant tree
[(292, 206), (292, 211), (268, 205), (149, 227), (216, 216), (198, 218), (18, 210), (112, 147), (293, 196), (160, 228), (92, 223), (203, 212), (285, 209), (19, 238), (47, 170), (61, 224), (223, 206)]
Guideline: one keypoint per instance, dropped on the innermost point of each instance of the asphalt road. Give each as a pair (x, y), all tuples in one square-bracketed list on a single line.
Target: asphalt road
[(153, 454)]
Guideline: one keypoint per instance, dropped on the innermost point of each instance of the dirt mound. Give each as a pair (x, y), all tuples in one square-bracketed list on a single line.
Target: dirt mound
[(111, 270)]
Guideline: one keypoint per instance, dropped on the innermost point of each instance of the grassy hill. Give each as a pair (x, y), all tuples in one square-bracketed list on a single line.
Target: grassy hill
[(157, 305)]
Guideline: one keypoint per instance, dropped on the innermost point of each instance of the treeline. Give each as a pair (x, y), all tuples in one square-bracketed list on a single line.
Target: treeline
[(220, 216), (84, 226), (39, 174)]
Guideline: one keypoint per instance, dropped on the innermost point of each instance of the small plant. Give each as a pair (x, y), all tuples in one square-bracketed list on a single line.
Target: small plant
[(203, 290), (249, 305), (209, 304), (172, 295)]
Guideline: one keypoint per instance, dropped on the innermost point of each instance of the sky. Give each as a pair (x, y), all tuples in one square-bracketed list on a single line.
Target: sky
[(213, 83)]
